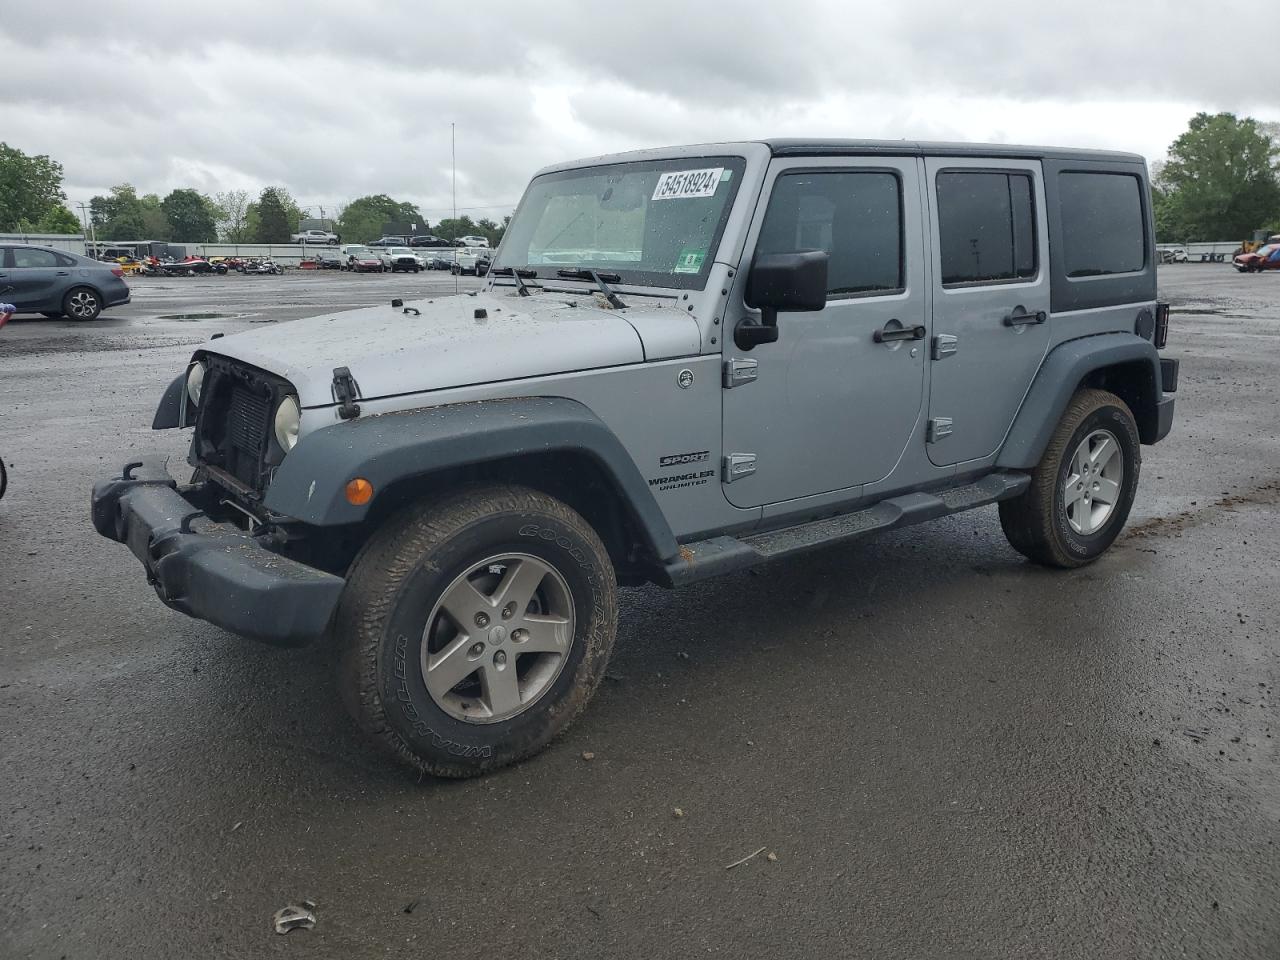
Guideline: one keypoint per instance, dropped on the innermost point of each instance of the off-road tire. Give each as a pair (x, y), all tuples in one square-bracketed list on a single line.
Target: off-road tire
[(394, 584), (1036, 522)]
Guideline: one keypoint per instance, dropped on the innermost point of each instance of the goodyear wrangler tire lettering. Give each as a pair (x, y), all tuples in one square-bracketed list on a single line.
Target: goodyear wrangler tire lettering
[(394, 586)]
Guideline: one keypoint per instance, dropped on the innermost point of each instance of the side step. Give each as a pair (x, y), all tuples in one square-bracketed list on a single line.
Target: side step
[(720, 555)]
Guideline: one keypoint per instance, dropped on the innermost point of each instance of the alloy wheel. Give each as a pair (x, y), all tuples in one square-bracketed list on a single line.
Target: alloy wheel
[(1095, 478), (497, 638)]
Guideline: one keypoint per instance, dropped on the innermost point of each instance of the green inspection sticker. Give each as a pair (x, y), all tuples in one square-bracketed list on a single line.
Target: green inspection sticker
[(690, 260)]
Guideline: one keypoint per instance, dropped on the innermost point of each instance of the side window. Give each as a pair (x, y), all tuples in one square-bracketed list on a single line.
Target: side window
[(5, 253), (63, 260), (1103, 230), (855, 216), (31, 257), (986, 227)]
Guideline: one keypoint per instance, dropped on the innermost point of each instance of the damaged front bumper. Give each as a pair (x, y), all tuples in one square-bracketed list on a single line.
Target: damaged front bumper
[(215, 572)]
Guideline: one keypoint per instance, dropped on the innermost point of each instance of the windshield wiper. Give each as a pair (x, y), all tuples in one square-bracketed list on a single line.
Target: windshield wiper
[(518, 274), (581, 273)]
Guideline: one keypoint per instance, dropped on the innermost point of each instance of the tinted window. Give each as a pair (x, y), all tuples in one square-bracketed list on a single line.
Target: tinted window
[(986, 227), (1102, 224), (30, 257), (856, 217)]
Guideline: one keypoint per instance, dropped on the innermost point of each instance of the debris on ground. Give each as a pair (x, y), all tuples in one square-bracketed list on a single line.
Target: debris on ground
[(411, 906), (294, 917), (772, 857), (588, 755), (750, 856), (677, 813)]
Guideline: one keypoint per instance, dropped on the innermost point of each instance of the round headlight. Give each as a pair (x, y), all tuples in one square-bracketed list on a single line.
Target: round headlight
[(288, 415), (195, 382)]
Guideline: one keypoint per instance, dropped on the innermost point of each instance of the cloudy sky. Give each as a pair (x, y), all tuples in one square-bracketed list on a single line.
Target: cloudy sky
[(339, 99)]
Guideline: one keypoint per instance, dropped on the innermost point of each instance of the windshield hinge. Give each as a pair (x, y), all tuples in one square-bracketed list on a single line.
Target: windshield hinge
[(345, 392), (738, 371)]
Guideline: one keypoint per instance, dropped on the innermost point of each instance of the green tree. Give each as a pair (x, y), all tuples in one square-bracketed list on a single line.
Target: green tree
[(30, 186), (119, 215), (491, 231), (363, 219), (155, 225), (233, 215), (190, 215), (271, 215), (451, 228), (59, 220), (273, 218), (1219, 182)]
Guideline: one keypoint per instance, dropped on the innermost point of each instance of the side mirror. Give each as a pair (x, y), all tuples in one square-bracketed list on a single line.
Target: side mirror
[(782, 283)]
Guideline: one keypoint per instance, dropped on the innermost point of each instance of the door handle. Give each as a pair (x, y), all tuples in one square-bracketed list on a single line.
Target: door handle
[(1020, 317), (904, 333), (63, 273)]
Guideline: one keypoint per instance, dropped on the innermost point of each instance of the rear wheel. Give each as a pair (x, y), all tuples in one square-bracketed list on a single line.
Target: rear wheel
[(82, 303), (475, 629), (1082, 489)]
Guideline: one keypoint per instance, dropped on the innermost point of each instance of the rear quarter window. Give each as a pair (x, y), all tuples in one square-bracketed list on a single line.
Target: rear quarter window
[(1103, 229)]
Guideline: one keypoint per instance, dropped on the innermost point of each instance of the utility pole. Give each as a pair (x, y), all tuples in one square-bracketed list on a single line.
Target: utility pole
[(453, 151), (89, 226)]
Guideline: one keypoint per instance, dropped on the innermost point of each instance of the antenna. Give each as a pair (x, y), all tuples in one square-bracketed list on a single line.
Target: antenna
[(453, 156)]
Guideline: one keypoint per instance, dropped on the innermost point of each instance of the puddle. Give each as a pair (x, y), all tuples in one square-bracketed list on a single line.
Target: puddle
[(190, 317)]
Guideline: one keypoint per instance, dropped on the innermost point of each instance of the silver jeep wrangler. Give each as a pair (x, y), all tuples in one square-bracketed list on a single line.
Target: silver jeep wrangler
[(684, 362)]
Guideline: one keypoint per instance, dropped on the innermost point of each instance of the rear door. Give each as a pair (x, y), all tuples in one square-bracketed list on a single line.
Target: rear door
[(35, 278), (990, 299)]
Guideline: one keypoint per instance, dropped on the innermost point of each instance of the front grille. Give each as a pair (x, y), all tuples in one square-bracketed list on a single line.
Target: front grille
[(233, 425), (247, 420)]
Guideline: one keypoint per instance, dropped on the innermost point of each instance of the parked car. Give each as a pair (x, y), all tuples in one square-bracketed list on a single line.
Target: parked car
[(1264, 258), (367, 262), (390, 242), (437, 262), (315, 236), (468, 260), (451, 500), (56, 283), (474, 241), (399, 259), (428, 241), (330, 261)]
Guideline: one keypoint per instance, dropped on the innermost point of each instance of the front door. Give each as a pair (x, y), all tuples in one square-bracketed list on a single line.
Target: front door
[(832, 404), (34, 277), (990, 300)]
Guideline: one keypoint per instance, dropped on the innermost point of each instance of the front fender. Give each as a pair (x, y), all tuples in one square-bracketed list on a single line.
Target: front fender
[(1061, 374), (389, 448)]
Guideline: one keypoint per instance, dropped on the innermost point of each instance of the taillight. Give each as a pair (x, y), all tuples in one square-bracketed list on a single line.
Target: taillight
[(117, 271), (1162, 326)]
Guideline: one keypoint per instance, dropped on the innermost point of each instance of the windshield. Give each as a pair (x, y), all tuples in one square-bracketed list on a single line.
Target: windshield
[(652, 222)]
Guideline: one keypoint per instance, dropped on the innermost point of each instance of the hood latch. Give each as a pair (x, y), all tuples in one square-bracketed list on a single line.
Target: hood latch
[(345, 392)]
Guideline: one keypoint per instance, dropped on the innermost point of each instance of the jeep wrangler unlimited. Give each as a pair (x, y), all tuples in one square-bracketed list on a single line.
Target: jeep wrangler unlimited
[(684, 362)]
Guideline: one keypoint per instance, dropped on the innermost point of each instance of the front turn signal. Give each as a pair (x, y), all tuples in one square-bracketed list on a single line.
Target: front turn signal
[(359, 492)]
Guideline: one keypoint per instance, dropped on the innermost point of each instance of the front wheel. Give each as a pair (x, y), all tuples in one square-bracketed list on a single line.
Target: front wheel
[(475, 629), (82, 303), (1082, 489)]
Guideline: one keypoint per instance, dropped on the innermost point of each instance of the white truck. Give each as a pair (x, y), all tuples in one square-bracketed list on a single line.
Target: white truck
[(315, 236)]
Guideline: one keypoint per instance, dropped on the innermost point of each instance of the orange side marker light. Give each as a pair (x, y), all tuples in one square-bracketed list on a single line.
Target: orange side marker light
[(359, 492)]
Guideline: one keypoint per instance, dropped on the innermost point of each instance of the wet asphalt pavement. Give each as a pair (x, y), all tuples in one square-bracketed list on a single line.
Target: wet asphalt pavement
[(952, 753)]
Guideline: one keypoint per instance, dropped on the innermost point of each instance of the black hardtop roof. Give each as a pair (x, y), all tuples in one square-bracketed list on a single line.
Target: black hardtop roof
[(920, 148)]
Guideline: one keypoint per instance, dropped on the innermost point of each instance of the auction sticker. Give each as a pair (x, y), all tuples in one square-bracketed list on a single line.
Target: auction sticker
[(686, 184)]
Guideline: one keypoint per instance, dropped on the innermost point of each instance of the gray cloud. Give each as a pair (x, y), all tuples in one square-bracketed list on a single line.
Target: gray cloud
[(336, 100)]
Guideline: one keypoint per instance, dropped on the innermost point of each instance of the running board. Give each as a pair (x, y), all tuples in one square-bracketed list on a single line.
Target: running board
[(720, 555)]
